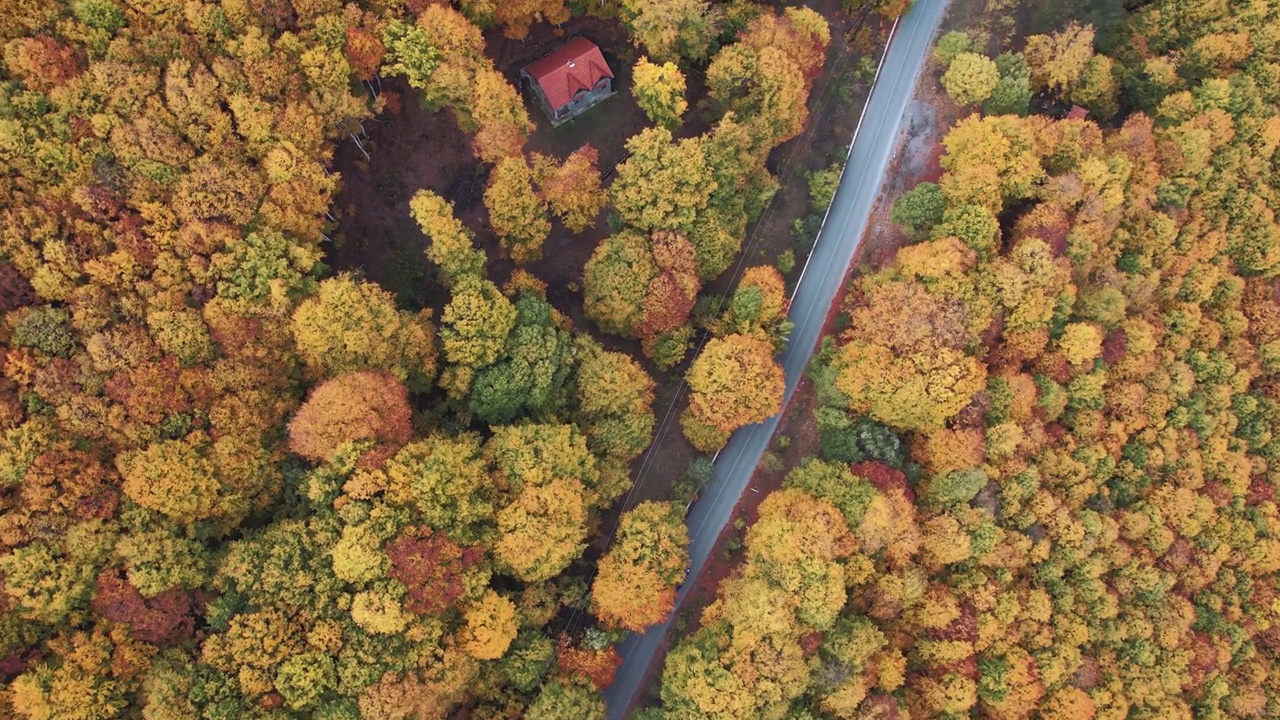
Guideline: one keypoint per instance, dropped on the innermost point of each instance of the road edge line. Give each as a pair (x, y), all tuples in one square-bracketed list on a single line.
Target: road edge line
[(848, 152)]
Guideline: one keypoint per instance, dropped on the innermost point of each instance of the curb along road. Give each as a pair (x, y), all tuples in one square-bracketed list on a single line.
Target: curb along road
[(843, 226)]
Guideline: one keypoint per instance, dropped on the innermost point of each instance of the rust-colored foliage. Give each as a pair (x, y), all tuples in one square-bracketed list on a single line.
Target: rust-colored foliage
[(15, 291), (673, 291), (431, 568), (163, 620), (70, 483), (42, 62), (884, 478), (598, 667), (357, 406), (364, 52)]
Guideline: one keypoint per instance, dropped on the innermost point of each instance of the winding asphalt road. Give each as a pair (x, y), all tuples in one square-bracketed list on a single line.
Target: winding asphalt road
[(873, 144)]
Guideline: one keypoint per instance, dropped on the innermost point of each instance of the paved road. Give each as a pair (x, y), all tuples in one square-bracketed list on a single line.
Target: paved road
[(873, 144)]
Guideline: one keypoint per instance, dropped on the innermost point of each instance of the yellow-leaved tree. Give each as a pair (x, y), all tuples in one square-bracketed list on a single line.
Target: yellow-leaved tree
[(572, 188), (734, 382), (902, 359), (351, 324), (659, 91), (517, 214), (635, 584), (491, 625)]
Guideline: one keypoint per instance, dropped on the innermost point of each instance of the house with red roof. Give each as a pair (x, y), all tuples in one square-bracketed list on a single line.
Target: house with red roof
[(570, 79)]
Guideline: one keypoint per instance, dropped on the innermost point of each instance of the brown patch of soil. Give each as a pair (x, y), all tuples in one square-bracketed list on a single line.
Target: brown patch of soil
[(411, 150)]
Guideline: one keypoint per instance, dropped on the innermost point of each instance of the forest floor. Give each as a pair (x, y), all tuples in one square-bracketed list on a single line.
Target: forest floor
[(415, 148)]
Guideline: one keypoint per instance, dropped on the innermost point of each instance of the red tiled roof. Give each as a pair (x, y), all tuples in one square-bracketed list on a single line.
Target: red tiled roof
[(576, 65), (1077, 113)]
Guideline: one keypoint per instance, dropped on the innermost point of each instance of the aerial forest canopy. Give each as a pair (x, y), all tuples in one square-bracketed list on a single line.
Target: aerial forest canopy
[(235, 483), (1081, 355)]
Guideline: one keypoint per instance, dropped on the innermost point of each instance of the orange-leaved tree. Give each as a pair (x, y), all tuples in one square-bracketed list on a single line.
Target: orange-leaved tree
[(359, 406), (572, 188), (635, 583)]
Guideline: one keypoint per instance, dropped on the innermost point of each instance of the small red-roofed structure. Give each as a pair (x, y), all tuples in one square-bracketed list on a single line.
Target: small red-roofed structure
[(1077, 113), (570, 79)]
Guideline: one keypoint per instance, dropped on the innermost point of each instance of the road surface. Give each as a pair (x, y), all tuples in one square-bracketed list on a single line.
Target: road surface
[(873, 144)]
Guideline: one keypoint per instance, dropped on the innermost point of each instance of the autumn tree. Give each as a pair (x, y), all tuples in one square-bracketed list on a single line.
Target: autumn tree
[(671, 29), (887, 9), (764, 78), (491, 625), (446, 481), (645, 288), (991, 159), (351, 324), (758, 306), (502, 122), (615, 401), (734, 382), (1059, 61), (907, 374), (571, 189), (450, 242), (663, 184), (971, 78), (516, 17), (474, 330), (660, 91), (550, 472), (434, 570), (193, 479), (543, 529), (669, 299), (635, 583), (517, 214), (1099, 88), (564, 700), (353, 407), (696, 683), (616, 279)]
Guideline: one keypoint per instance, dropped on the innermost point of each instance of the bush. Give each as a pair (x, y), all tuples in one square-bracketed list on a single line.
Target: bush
[(919, 209), (805, 230), (668, 349), (822, 188), (951, 45), (701, 470), (786, 261)]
